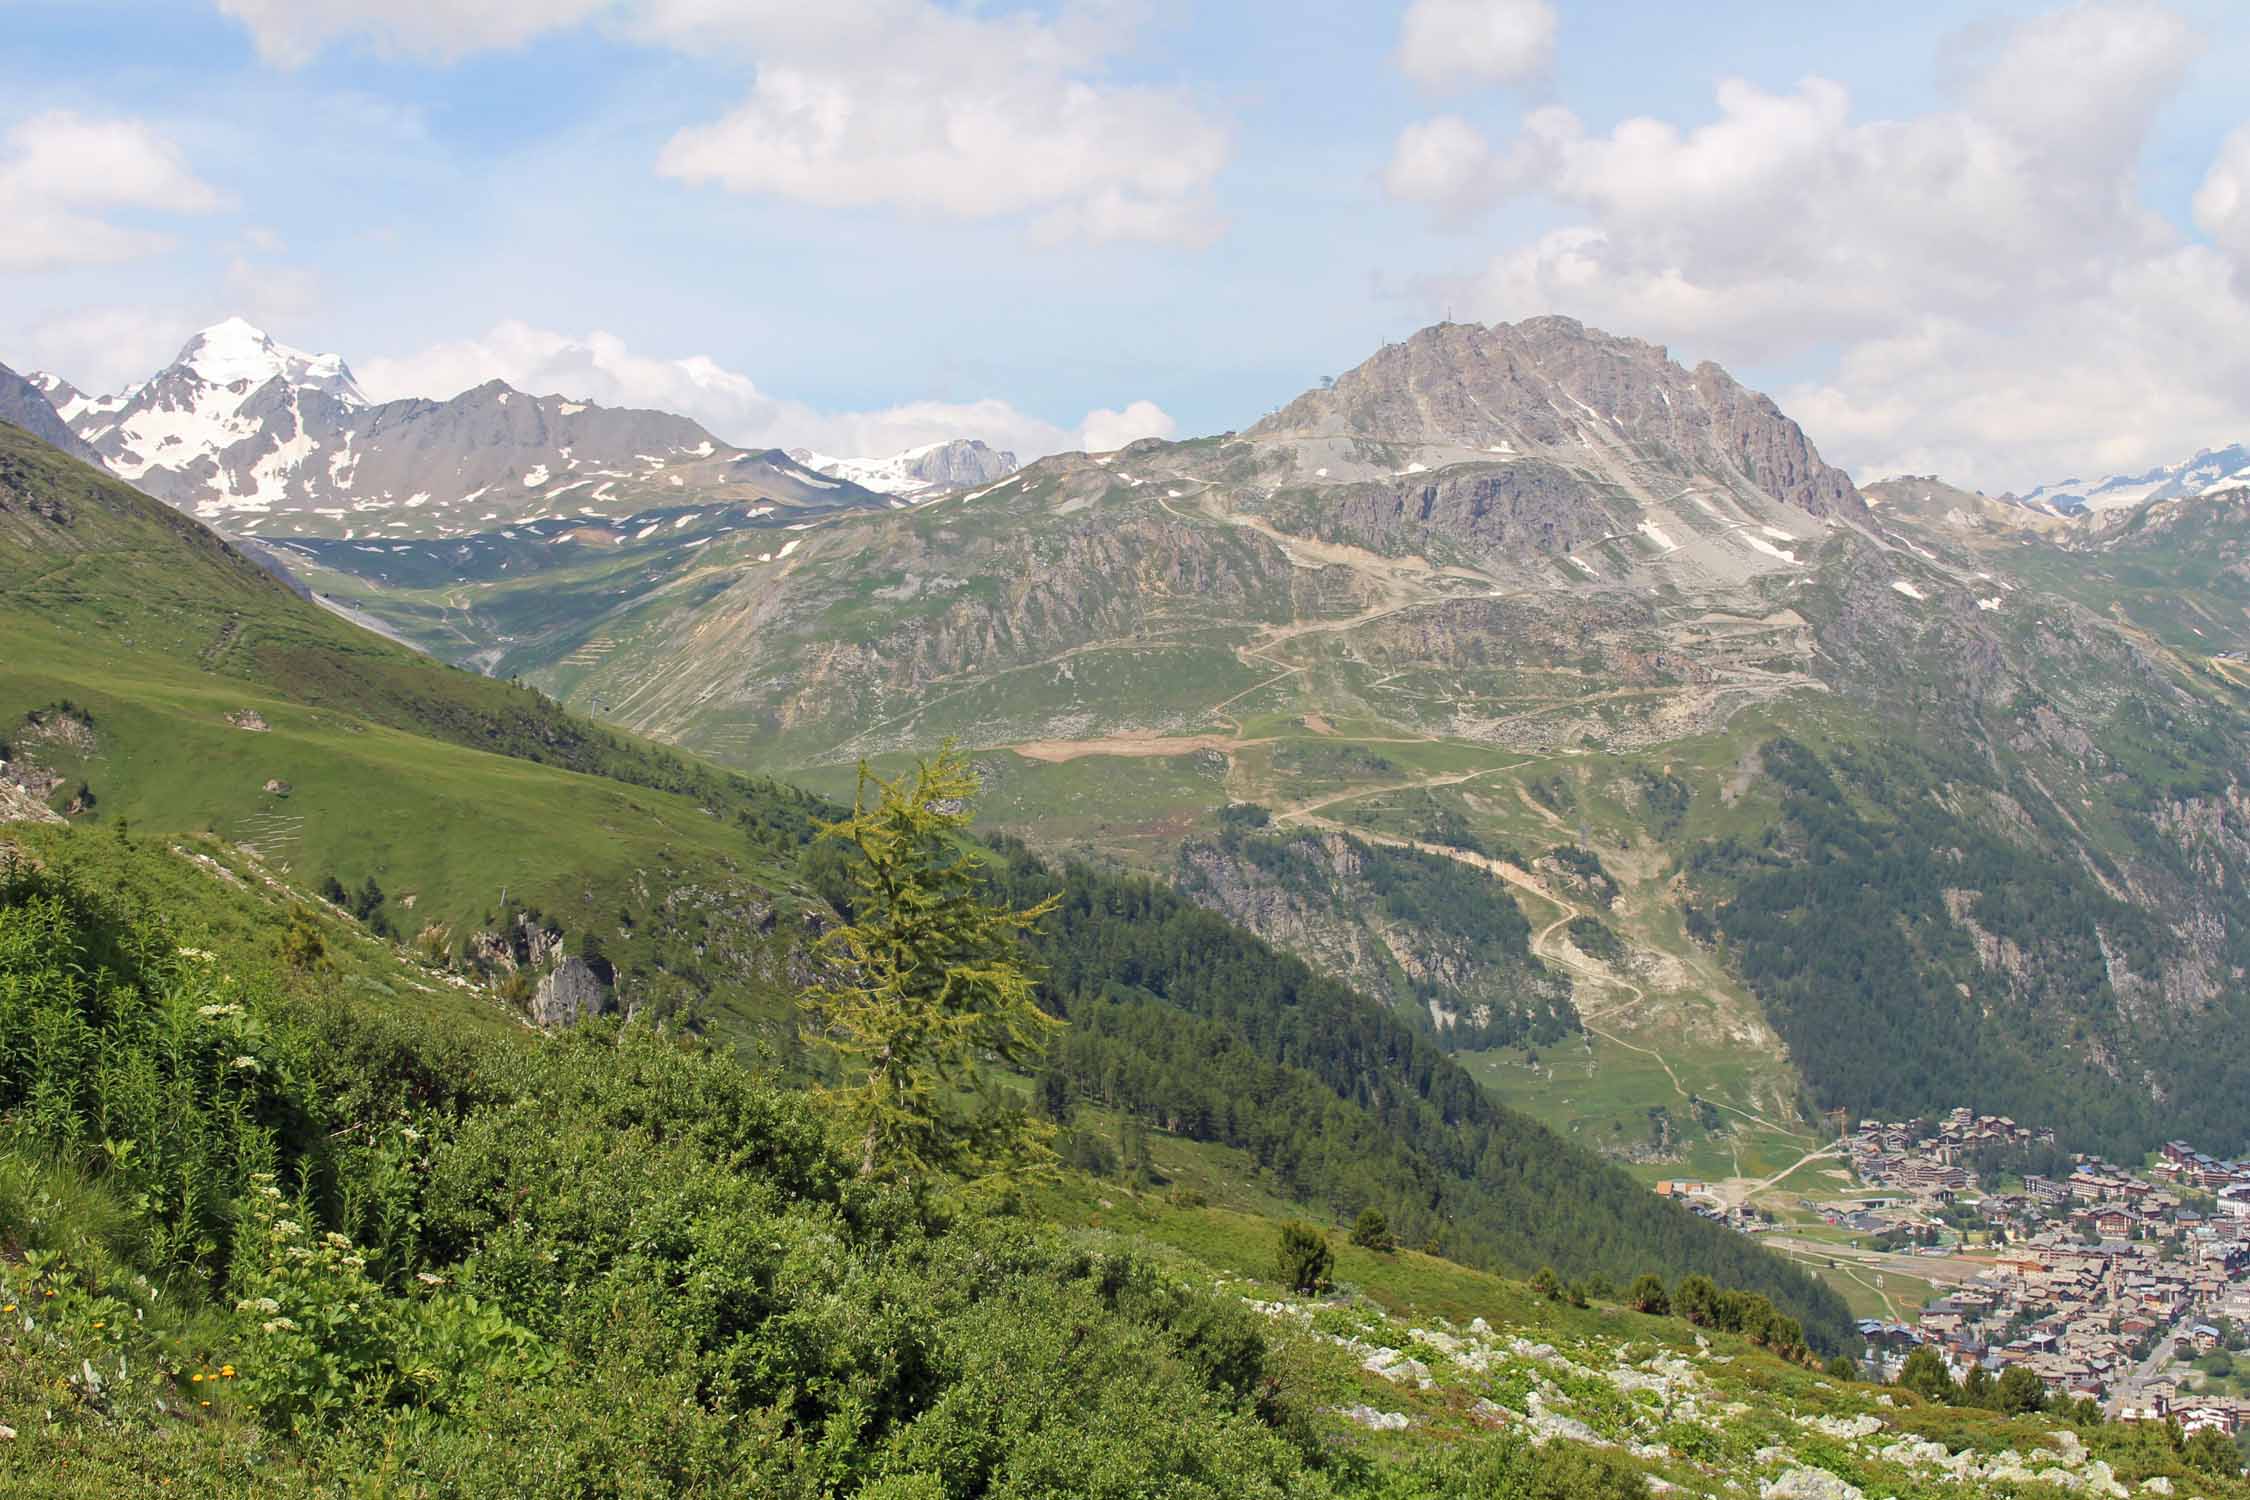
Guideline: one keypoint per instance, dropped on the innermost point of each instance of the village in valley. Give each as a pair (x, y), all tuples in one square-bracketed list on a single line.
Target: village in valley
[(2127, 1286)]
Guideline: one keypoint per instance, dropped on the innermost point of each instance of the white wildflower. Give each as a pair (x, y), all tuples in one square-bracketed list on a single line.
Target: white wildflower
[(278, 1325), (244, 1064), (200, 955)]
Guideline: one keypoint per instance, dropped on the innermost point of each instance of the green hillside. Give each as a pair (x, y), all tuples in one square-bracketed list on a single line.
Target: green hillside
[(467, 800), (694, 885), (273, 1223)]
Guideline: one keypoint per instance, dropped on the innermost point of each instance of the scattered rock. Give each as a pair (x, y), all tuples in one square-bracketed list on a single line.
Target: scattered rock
[(67, 727), (275, 786), (570, 994), (1397, 1368), (250, 719), (2157, 1484), (1808, 1484), (1548, 1425), (1847, 1427), (1379, 1421), (19, 806)]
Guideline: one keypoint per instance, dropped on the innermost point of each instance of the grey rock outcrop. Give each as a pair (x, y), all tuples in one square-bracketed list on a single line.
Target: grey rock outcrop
[(570, 993)]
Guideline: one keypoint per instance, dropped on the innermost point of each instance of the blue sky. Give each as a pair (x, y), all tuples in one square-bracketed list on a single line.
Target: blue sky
[(1977, 245)]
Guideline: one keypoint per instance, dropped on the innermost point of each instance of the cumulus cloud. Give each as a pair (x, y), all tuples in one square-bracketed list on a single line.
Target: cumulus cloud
[(61, 172), (98, 348), (1105, 430), (2222, 203), (601, 367), (1445, 42), (293, 32), (1982, 288), (904, 104)]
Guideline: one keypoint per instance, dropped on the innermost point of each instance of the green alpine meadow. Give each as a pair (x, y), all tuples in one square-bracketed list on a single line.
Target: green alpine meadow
[(1071, 750)]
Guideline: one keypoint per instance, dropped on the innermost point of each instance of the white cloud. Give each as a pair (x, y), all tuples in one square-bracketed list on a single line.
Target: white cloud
[(98, 349), (907, 104), (1103, 431), (1445, 162), (1476, 41), (293, 32), (600, 367), (1982, 288), (61, 172), (902, 104), (2222, 203)]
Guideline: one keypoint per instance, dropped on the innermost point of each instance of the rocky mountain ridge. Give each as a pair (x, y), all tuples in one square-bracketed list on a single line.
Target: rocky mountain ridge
[(24, 402), (270, 441)]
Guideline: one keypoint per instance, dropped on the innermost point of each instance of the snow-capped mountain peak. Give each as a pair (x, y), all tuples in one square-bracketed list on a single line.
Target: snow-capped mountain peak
[(238, 355), (916, 473), (2211, 469), (66, 398)]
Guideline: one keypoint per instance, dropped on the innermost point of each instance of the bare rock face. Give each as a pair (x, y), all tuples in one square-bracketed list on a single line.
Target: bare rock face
[(1552, 387), (249, 719), (572, 992)]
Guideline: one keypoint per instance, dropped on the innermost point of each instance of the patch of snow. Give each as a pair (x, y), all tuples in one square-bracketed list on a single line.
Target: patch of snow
[(1655, 533), (1777, 533), (571, 408), (1995, 604), (418, 499), (535, 477), (682, 521), (1908, 589), (1584, 567), (1760, 544), (1320, 473)]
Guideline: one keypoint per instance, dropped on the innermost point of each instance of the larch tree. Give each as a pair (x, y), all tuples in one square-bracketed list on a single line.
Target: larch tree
[(928, 995)]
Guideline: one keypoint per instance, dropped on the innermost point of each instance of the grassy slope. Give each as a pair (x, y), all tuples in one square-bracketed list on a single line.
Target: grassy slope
[(1702, 1413), (441, 784)]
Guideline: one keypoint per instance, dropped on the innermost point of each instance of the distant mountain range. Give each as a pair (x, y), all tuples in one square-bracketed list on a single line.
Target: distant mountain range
[(1532, 599), (2211, 469), (917, 473), (270, 441), (266, 440)]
